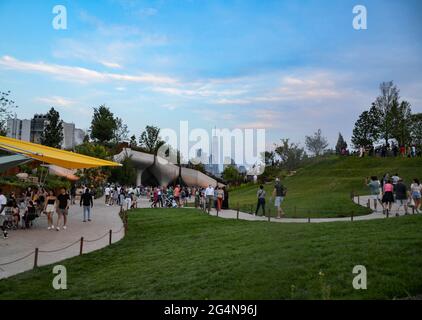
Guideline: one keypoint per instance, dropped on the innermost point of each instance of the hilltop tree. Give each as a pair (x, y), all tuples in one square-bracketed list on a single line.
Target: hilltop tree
[(52, 135), (341, 144), (365, 132), (317, 143), (291, 154), (150, 139), (103, 125), (401, 117), (231, 174), (416, 129), (383, 105), (6, 107)]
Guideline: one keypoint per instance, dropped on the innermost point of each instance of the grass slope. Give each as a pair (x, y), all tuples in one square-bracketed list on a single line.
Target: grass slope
[(184, 254), (323, 189)]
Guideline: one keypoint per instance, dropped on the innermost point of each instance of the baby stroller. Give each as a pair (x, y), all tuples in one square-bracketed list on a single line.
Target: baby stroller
[(169, 202)]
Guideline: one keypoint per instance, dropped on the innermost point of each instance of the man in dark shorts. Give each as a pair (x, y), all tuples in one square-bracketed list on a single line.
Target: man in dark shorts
[(401, 196), (63, 202)]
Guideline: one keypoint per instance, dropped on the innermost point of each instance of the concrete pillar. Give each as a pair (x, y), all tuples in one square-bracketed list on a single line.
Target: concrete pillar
[(139, 176)]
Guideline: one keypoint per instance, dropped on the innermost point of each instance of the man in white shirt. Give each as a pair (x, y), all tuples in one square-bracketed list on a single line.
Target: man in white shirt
[(107, 195), (209, 195), (3, 202)]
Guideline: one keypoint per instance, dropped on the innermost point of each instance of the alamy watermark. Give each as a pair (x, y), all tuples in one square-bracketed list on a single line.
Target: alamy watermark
[(60, 19), (223, 147), (361, 17)]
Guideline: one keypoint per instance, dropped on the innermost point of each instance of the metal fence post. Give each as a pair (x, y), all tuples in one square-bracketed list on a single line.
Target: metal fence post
[(351, 217), (81, 246), (237, 213), (36, 258), (110, 235)]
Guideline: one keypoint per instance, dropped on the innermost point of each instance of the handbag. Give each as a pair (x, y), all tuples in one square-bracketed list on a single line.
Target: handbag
[(411, 203)]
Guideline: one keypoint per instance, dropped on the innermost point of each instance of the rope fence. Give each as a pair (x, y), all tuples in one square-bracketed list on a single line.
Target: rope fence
[(81, 241)]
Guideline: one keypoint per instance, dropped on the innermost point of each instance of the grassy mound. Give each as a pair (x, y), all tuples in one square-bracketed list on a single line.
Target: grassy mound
[(323, 189), (184, 254)]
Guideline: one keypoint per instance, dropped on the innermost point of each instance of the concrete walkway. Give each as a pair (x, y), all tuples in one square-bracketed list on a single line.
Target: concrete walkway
[(22, 243), (362, 200)]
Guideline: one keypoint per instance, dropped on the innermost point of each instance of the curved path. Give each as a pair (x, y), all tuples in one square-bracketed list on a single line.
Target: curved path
[(23, 242), (362, 200)]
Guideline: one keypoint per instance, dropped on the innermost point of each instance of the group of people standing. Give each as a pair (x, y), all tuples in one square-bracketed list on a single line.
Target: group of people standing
[(31, 204), (394, 190)]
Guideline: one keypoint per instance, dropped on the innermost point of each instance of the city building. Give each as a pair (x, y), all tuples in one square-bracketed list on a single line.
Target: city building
[(31, 131)]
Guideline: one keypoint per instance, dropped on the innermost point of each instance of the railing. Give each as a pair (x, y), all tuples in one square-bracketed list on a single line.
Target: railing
[(81, 242)]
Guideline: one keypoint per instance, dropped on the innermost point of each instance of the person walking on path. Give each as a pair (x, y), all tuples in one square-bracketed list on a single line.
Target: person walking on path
[(279, 193), (416, 190), (375, 187), (3, 203), (50, 204), (261, 200), (209, 195), (402, 196), (388, 196), (87, 202), (63, 203), (220, 198)]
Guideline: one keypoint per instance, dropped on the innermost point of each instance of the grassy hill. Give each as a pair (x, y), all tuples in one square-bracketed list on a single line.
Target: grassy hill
[(323, 189), (185, 254)]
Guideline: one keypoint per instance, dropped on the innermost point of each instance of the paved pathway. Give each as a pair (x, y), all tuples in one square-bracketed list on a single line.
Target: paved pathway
[(23, 242), (362, 200)]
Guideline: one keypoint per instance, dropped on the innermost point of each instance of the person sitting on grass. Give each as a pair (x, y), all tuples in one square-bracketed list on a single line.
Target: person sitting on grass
[(375, 188), (261, 200)]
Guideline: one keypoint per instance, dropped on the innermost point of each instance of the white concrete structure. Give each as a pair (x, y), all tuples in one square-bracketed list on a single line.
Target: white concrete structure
[(153, 168)]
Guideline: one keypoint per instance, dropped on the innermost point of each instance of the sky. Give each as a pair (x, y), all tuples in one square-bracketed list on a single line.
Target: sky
[(290, 67)]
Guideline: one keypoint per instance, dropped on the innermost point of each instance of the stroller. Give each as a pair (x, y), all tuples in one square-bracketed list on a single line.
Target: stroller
[(169, 202)]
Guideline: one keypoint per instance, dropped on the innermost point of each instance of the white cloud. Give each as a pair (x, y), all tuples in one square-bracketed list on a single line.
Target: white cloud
[(56, 101), (79, 74)]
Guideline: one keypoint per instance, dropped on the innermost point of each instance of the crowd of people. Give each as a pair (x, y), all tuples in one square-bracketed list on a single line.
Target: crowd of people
[(393, 189), (20, 211), (391, 150)]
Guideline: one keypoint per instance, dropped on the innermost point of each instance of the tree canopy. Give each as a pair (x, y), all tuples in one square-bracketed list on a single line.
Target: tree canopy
[(52, 135)]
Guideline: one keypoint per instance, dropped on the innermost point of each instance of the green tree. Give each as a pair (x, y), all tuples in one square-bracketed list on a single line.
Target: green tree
[(341, 143), (132, 142), (416, 129), (6, 107), (103, 125), (401, 115), (52, 135), (150, 139), (231, 174), (383, 106), (291, 154), (124, 175), (316, 144), (365, 132), (122, 132)]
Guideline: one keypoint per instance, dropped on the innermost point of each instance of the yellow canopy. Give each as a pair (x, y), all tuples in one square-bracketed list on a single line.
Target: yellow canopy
[(61, 158)]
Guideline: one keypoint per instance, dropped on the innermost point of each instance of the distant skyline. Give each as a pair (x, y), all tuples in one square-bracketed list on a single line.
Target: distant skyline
[(290, 67)]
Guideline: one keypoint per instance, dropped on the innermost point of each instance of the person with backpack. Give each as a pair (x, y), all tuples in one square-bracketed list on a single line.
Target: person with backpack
[(279, 194), (261, 200)]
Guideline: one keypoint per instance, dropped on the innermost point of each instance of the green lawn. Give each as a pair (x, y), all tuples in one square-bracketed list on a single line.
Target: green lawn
[(323, 189), (185, 254)]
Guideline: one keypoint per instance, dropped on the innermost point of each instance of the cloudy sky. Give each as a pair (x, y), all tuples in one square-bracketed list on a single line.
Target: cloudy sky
[(290, 67)]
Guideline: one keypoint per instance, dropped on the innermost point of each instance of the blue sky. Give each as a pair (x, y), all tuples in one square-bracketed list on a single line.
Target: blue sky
[(290, 67)]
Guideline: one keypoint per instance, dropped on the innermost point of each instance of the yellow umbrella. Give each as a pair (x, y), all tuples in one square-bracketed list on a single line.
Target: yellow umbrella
[(61, 158)]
